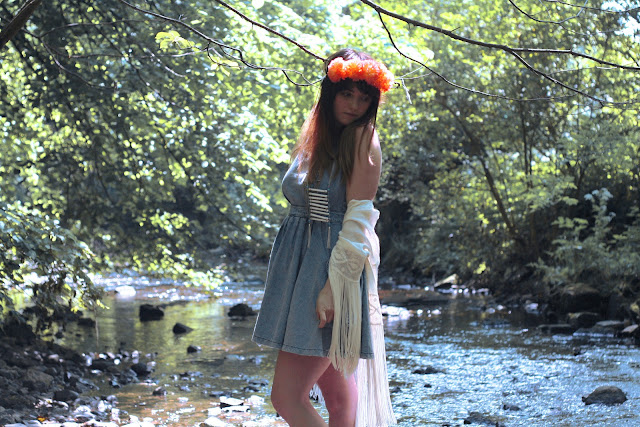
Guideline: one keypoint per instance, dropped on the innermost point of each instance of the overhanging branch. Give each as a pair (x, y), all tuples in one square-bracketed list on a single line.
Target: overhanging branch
[(268, 29), (515, 52), (497, 46), (18, 21), (224, 48)]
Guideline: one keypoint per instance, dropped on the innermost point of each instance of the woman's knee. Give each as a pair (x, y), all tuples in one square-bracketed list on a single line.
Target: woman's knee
[(340, 403), (283, 400), (278, 400), (340, 395)]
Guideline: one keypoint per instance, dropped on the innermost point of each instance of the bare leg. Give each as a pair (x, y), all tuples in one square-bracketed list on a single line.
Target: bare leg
[(294, 376), (341, 397)]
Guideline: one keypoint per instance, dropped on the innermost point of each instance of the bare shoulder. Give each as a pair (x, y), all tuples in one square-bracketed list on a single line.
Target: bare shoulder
[(368, 144), (363, 183)]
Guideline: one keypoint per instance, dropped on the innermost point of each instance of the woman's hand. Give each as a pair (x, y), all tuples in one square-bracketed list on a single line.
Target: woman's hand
[(324, 305)]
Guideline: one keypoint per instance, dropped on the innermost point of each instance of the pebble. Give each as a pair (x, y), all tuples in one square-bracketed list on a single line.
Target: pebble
[(213, 422), (230, 401), (255, 400), (214, 412), (238, 408)]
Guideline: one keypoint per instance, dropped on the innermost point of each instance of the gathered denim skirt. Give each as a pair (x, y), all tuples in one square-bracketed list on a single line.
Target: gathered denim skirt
[(298, 270)]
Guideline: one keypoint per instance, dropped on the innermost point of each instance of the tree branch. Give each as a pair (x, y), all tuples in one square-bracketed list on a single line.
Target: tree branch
[(505, 48), (533, 18), (270, 30), (595, 9), (224, 47), (18, 21), (449, 82), (515, 52)]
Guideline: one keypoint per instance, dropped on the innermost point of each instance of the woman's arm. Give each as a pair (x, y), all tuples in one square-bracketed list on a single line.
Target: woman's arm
[(363, 183)]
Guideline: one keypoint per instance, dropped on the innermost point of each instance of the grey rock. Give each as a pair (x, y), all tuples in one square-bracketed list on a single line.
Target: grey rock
[(558, 328), (478, 418), (65, 395), (213, 422), (230, 401), (104, 365), (258, 383), (16, 401), (631, 331), (577, 297), (584, 319), (7, 418), (141, 369), (428, 370), (615, 325), (510, 407), (37, 380), (19, 360), (241, 310), (150, 312), (250, 388), (605, 395), (179, 328), (9, 373), (159, 391)]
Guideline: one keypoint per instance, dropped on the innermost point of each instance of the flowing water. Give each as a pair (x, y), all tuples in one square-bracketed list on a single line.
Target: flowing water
[(494, 364)]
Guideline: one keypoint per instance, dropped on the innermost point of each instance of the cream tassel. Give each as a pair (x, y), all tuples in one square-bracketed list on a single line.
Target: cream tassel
[(374, 403), (316, 394), (344, 352), (357, 248)]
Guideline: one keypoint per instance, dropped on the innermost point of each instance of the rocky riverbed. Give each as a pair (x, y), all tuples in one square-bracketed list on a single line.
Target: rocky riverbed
[(452, 360), (42, 381)]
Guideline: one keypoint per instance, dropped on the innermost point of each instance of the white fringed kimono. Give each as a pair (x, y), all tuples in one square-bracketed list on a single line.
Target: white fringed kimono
[(358, 247)]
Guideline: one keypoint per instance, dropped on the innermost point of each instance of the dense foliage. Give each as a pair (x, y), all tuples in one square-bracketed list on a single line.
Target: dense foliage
[(495, 187), (146, 136)]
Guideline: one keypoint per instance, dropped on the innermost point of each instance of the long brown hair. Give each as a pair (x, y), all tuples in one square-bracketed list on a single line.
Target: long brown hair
[(322, 139)]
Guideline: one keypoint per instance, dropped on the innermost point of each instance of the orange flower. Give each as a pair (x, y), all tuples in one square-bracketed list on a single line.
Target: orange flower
[(369, 70), (335, 71), (352, 68)]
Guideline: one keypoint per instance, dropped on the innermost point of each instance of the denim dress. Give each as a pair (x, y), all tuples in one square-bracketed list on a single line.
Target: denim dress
[(298, 270)]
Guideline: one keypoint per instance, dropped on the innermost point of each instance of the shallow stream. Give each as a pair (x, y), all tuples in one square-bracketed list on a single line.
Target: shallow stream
[(495, 364)]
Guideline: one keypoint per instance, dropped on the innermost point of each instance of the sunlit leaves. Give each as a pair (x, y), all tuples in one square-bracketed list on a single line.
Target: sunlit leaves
[(540, 157), (154, 146), (167, 39), (45, 260)]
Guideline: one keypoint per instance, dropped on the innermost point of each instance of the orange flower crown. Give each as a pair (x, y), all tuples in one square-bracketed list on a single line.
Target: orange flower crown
[(371, 71)]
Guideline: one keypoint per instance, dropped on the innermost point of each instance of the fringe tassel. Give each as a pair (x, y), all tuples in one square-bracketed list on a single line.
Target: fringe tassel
[(374, 402), (358, 242), (316, 394), (344, 352)]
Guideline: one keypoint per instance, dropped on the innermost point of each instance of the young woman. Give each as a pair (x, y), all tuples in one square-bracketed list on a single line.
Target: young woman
[(320, 306)]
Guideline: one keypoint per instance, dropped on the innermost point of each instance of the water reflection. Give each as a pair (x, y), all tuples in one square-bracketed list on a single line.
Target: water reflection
[(495, 364)]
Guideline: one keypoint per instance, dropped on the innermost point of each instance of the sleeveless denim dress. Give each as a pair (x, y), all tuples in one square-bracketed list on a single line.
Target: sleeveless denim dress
[(298, 270)]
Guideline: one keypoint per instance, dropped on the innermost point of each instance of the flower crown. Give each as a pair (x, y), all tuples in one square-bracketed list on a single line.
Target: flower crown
[(371, 71)]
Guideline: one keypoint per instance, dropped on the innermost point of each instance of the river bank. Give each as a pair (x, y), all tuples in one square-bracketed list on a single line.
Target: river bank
[(42, 381)]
